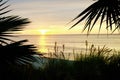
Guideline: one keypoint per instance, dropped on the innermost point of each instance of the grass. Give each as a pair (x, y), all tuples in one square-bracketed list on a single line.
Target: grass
[(88, 51), (94, 63)]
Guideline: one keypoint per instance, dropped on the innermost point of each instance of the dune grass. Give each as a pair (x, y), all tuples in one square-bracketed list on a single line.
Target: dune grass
[(94, 63)]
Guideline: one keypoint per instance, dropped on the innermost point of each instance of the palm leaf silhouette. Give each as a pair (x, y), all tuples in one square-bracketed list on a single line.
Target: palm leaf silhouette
[(13, 51), (10, 24), (104, 10), (17, 52)]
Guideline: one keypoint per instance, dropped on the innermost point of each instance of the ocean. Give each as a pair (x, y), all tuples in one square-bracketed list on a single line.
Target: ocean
[(76, 42)]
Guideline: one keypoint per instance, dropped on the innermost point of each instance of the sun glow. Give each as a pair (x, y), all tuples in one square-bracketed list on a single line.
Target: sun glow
[(43, 32)]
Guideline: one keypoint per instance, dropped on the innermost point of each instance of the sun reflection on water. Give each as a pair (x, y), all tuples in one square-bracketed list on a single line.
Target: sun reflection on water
[(42, 44)]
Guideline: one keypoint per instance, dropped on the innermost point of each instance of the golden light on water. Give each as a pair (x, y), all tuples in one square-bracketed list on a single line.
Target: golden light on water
[(42, 43)]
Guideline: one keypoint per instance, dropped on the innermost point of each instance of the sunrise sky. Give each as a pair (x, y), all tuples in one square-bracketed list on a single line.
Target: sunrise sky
[(50, 16)]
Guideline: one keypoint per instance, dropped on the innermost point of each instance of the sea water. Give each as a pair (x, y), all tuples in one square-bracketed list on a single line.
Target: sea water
[(76, 42)]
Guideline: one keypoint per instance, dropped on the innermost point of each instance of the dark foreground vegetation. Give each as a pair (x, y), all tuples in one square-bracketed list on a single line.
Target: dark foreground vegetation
[(17, 60), (97, 64)]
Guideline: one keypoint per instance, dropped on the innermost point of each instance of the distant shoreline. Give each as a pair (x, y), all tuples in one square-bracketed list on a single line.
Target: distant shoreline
[(63, 34)]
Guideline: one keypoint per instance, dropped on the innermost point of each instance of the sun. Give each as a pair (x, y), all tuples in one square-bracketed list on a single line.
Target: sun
[(43, 31)]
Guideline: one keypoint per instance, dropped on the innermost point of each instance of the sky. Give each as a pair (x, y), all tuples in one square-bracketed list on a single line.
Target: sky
[(49, 16)]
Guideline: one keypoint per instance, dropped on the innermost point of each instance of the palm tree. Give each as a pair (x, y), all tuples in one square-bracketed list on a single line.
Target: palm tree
[(13, 51), (107, 11)]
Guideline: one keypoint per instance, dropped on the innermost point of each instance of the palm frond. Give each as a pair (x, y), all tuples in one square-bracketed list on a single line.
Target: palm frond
[(9, 24), (3, 8), (103, 10), (5, 40), (13, 51), (17, 51), (12, 23)]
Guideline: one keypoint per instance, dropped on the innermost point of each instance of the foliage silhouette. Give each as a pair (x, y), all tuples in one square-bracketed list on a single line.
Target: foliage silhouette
[(104, 10), (13, 51)]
